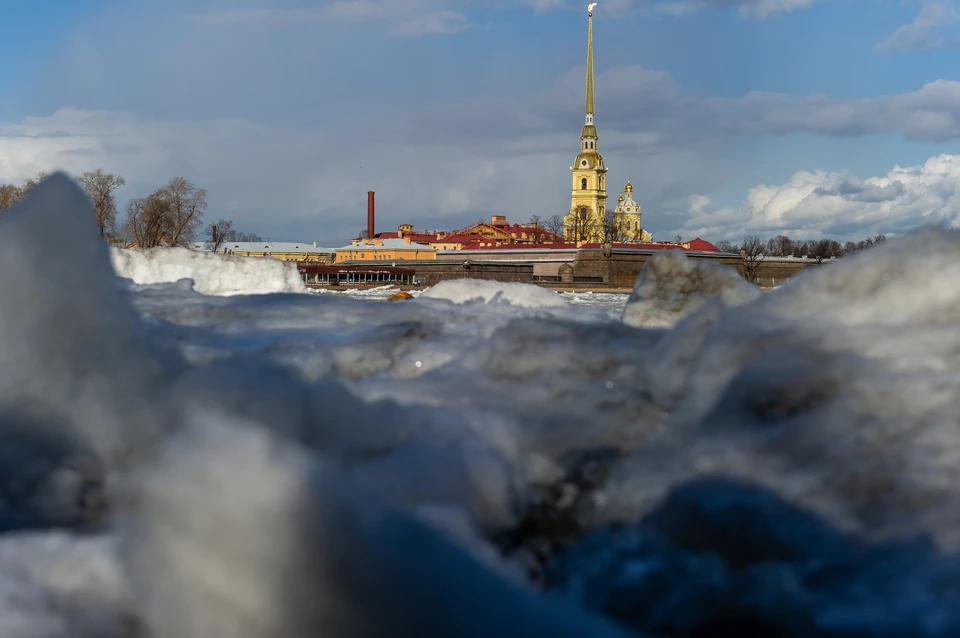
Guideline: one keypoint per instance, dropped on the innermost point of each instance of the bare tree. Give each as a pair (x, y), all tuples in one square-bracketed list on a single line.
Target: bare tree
[(149, 220), (725, 246), (554, 226), (614, 228), (226, 234), (879, 239), (100, 187), (537, 225), (582, 225), (187, 204), (780, 246), (820, 250), (9, 195), (751, 254), (31, 182), (678, 240), (218, 233)]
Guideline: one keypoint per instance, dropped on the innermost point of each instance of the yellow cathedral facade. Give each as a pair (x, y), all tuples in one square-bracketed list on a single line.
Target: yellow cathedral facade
[(587, 220)]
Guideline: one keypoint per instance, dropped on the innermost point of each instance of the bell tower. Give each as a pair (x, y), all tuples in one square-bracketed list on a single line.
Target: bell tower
[(588, 197)]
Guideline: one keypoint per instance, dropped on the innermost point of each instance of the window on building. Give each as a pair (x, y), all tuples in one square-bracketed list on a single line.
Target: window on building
[(583, 184)]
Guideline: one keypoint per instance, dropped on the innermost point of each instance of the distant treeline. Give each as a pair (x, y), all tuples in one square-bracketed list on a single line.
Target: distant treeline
[(169, 216), (783, 246)]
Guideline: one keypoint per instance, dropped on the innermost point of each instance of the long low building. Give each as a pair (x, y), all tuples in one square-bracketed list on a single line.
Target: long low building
[(385, 250), (284, 251), (315, 275)]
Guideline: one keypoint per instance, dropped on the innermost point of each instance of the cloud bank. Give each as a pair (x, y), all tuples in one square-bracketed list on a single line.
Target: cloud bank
[(309, 182), (813, 205)]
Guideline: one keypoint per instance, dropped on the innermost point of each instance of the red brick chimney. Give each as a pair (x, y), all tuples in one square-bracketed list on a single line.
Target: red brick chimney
[(370, 216)]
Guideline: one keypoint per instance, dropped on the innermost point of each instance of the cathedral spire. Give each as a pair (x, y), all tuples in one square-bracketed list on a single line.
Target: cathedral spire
[(589, 105)]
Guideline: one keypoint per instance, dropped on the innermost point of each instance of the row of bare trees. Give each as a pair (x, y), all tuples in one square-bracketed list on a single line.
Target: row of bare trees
[(222, 232), (99, 185), (783, 246), (169, 216), (11, 194), (753, 250), (585, 226)]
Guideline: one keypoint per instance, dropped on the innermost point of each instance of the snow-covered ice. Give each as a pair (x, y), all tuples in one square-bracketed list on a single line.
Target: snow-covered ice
[(182, 458), (211, 273), (494, 292)]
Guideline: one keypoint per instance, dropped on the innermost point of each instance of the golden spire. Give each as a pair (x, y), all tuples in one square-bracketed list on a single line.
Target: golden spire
[(589, 108)]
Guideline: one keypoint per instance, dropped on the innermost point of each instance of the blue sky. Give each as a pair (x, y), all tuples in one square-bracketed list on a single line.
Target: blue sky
[(732, 118)]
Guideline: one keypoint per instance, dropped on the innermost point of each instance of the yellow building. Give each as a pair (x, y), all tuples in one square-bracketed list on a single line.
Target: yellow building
[(284, 251), (385, 250), (588, 198), (587, 220), (627, 218)]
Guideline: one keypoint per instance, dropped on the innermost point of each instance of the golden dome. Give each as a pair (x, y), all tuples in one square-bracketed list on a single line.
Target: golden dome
[(628, 187), (588, 159), (620, 199)]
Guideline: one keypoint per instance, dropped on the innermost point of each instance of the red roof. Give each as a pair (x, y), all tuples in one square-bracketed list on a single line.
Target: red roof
[(703, 246), (697, 244), (422, 238)]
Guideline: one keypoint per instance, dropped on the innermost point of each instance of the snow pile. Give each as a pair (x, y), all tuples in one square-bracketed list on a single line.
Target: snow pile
[(212, 273), (839, 392), (494, 292), (671, 286), (291, 542), (300, 465), (290, 548)]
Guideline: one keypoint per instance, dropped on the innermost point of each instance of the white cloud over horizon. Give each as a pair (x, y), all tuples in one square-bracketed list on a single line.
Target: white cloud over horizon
[(837, 205)]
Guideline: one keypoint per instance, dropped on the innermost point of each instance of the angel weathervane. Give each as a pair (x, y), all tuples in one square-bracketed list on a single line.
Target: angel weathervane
[(590, 8)]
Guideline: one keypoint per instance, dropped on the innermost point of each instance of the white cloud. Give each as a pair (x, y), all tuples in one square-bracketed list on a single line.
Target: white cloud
[(838, 205), (924, 32)]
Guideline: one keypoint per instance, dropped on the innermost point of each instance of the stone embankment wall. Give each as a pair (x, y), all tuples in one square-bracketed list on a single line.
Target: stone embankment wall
[(621, 269), (433, 272), (592, 269)]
